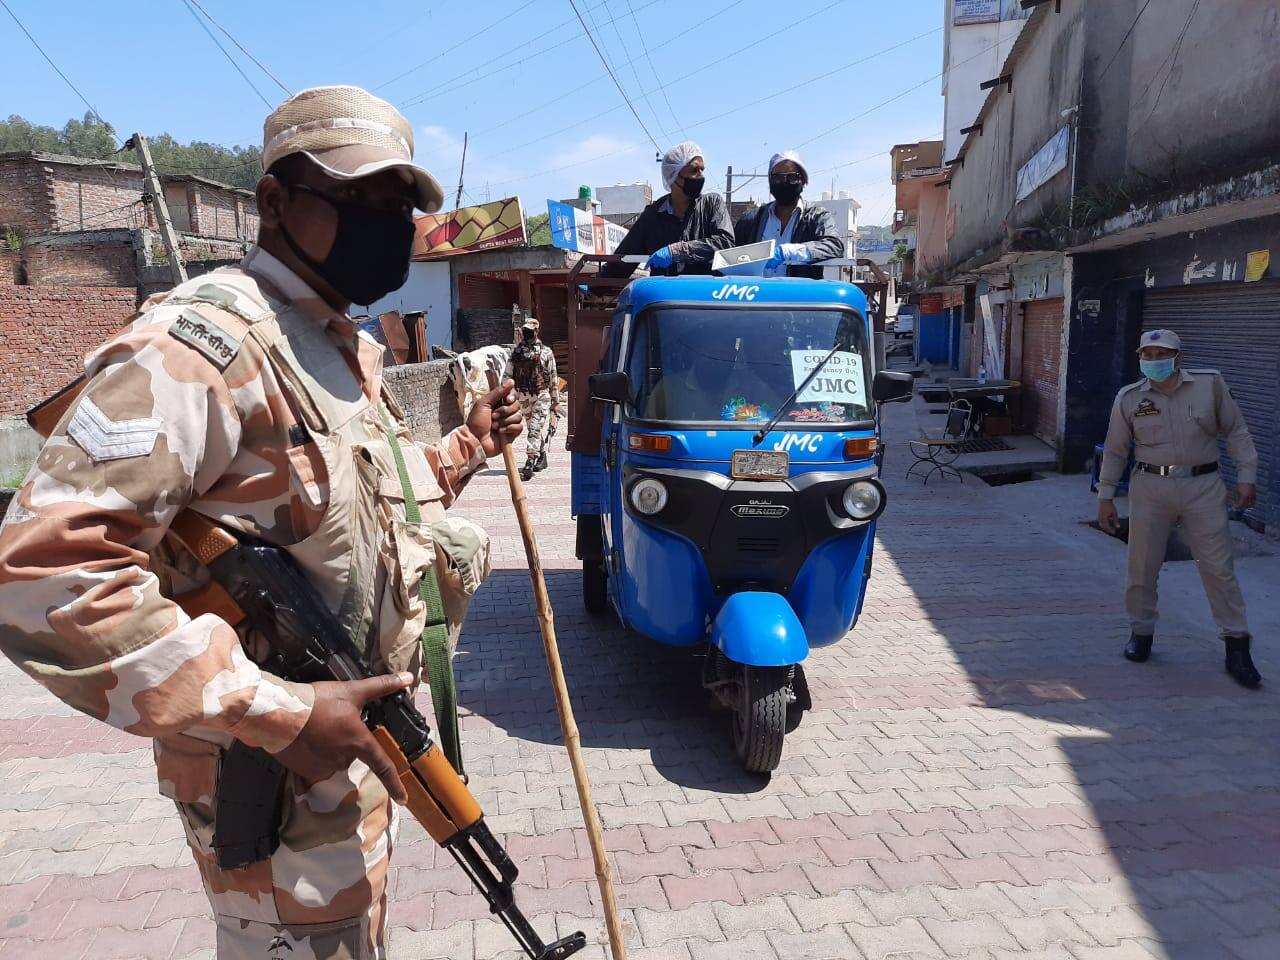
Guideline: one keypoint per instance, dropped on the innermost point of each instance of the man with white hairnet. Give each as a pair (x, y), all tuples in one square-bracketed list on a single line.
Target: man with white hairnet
[(804, 234), (681, 230)]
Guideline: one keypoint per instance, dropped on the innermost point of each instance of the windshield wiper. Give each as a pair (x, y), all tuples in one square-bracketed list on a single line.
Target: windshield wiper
[(786, 404)]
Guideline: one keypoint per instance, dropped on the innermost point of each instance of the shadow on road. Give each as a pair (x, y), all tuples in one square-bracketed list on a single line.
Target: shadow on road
[(628, 692)]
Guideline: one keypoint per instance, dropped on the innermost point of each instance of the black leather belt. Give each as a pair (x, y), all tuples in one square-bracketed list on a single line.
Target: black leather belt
[(1178, 471)]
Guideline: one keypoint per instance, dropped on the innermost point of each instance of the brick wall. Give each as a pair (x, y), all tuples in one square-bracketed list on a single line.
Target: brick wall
[(428, 399), (46, 331), (105, 261), (220, 213), (26, 196), (97, 198)]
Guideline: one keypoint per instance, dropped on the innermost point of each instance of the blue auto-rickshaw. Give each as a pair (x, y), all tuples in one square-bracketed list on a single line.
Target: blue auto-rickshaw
[(730, 502)]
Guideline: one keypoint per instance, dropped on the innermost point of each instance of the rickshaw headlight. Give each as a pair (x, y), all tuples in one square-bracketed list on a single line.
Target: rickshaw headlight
[(863, 500), (649, 496)]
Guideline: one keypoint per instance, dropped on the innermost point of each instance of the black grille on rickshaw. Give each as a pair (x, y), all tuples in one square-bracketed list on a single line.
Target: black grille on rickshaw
[(758, 545)]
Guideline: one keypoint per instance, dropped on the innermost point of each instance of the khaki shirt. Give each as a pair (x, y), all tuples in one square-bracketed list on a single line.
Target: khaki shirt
[(1180, 428)]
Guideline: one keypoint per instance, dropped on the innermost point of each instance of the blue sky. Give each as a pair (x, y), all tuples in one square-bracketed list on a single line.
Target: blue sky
[(522, 78)]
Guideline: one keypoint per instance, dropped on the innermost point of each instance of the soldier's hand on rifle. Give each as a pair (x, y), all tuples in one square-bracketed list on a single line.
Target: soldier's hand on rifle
[(497, 412), (334, 734)]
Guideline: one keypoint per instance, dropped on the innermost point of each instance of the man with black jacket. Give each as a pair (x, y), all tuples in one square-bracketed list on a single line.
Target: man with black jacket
[(681, 230), (804, 234)]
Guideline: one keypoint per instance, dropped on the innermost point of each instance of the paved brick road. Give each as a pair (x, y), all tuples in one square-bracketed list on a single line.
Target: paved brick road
[(981, 777)]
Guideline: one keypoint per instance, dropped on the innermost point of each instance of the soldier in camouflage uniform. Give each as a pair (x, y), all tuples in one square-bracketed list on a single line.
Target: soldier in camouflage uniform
[(249, 396), (533, 368)]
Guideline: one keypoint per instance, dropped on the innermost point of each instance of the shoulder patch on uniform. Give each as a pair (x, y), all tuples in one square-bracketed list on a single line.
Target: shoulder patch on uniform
[(207, 337), (105, 439)]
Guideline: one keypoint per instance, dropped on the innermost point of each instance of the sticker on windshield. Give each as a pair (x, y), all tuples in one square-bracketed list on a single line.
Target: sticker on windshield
[(841, 380)]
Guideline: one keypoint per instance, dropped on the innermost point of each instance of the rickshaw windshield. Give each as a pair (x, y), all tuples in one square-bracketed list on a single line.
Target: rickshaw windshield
[(699, 365)]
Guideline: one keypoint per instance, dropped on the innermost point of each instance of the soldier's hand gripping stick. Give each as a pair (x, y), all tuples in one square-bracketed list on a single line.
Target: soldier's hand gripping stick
[(262, 584)]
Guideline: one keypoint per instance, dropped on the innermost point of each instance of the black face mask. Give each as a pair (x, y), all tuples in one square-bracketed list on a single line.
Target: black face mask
[(785, 193), (370, 253), (692, 187)]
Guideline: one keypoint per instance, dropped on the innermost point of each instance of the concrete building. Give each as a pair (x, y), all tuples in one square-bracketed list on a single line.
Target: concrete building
[(1123, 176), (978, 37), (844, 214), (623, 202)]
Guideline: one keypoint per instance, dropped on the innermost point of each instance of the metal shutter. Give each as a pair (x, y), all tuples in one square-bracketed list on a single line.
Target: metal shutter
[(1041, 366), (1235, 329)]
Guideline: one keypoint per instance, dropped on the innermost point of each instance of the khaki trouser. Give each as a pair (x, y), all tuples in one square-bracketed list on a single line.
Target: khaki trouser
[(1199, 505)]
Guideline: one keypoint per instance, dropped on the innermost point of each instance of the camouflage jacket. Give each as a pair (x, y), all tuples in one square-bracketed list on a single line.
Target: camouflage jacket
[(181, 409)]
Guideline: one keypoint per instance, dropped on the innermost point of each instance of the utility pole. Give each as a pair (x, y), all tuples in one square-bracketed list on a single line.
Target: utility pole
[(154, 192), (457, 201), (728, 185)]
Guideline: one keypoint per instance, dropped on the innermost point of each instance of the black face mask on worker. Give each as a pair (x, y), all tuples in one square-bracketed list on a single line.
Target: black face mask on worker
[(370, 253), (692, 187), (784, 192)]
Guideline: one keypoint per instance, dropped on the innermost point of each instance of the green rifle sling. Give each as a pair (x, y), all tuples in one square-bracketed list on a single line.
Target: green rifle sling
[(435, 635)]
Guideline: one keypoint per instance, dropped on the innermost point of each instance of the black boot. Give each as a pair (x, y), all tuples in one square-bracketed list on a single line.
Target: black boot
[(1240, 663), (526, 472), (1138, 648), (542, 463)]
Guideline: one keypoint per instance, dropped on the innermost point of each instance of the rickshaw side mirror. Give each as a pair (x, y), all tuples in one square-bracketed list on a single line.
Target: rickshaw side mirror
[(610, 387), (892, 386)]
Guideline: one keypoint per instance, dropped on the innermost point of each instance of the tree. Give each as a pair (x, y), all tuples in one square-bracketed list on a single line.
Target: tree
[(537, 230), (899, 252), (93, 139)]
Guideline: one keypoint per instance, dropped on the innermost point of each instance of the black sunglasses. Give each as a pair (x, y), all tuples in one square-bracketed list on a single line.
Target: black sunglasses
[(792, 178)]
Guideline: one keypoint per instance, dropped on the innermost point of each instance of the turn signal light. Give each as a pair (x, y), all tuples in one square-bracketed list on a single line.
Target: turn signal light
[(860, 448), (650, 442)]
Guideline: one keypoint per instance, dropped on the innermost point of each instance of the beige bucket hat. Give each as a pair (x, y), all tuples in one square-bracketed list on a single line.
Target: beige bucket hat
[(351, 134)]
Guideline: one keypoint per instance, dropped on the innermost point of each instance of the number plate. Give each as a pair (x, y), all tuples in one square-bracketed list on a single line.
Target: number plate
[(760, 464)]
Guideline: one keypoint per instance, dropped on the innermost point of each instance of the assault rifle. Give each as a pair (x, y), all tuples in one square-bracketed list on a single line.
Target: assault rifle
[(262, 584)]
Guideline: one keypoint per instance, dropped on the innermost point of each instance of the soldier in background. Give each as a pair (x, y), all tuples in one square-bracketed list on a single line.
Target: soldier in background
[(1174, 418), (249, 396), (533, 368)]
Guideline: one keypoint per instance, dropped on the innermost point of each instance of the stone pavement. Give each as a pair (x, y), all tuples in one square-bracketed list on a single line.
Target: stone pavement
[(982, 777)]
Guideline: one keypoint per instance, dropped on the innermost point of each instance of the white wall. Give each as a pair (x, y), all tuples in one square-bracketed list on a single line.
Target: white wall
[(624, 198), (844, 215), (426, 289), (968, 63)]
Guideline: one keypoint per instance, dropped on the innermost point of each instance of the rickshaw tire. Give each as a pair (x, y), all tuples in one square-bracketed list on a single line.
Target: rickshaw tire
[(760, 719), (595, 587)]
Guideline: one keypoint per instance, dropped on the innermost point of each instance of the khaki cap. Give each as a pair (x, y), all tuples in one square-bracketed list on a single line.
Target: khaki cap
[(1160, 338), (350, 133)]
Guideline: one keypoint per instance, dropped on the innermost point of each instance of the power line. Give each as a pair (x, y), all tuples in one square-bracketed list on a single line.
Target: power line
[(92, 109), (652, 69), (574, 92), (609, 70), (465, 78), (260, 65), (635, 71), (230, 59), (729, 56), (414, 69), (1124, 39)]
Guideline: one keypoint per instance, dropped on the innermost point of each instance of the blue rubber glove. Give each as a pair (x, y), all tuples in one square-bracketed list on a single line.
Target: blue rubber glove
[(660, 258), (793, 252), (777, 260)]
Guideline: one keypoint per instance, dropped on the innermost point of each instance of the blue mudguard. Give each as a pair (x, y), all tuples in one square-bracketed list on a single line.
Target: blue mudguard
[(760, 630)]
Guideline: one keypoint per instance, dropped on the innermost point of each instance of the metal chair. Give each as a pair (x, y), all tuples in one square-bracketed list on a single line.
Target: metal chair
[(939, 454)]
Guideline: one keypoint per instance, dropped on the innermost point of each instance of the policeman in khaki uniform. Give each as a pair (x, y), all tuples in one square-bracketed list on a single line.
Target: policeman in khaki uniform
[(1174, 418), (249, 396)]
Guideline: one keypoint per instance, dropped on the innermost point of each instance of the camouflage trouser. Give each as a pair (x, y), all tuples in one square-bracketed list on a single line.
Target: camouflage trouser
[(322, 894), (537, 417), (341, 940)]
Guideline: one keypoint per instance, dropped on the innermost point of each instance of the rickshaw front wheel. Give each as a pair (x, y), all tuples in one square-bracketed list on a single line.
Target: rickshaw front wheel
[(760, 716), (595, 588)]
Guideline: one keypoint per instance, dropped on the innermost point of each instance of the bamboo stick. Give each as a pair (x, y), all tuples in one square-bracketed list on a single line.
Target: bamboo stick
[(568, 725)]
